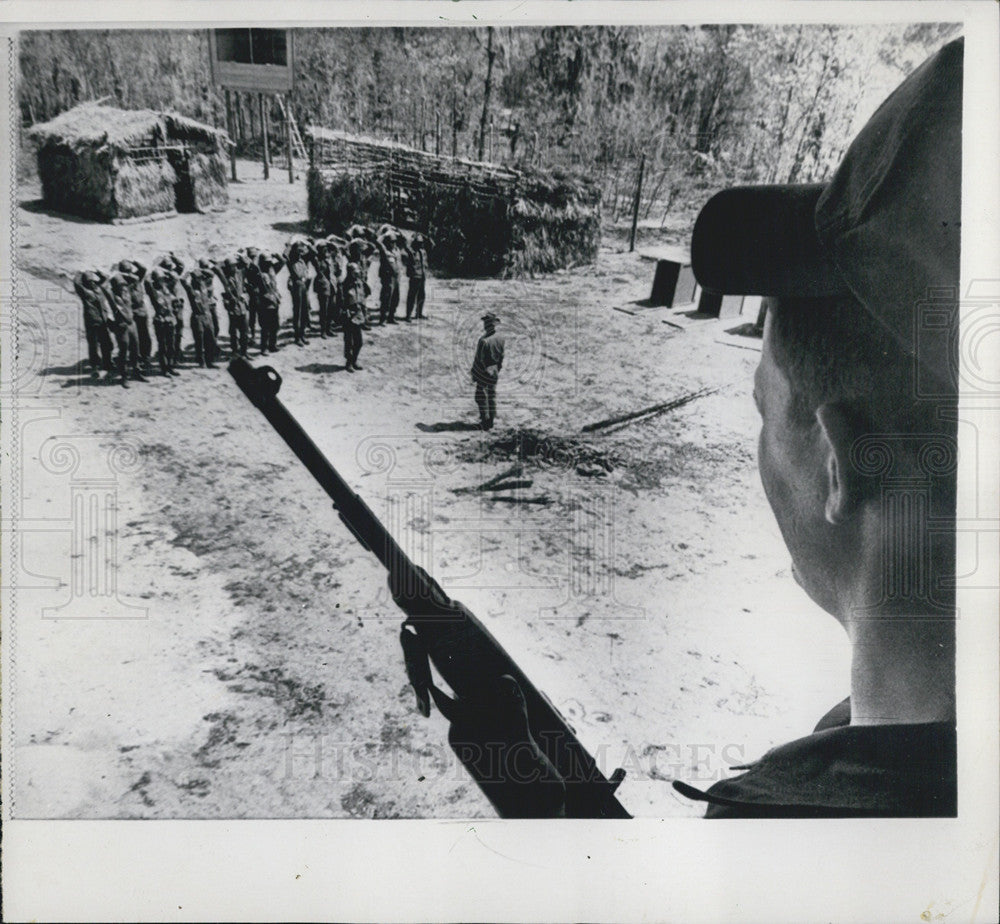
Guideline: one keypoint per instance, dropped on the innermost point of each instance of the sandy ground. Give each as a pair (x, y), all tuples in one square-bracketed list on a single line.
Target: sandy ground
[(257, 672)]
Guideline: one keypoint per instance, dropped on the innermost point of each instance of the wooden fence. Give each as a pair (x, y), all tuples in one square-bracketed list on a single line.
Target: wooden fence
[(407, 170)]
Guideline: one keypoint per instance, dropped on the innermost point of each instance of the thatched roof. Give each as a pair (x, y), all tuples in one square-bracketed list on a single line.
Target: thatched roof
[(441, 161), (185, 129), (99, 126)]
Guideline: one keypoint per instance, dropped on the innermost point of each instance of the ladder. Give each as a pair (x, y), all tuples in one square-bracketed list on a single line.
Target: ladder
[(297, 144)]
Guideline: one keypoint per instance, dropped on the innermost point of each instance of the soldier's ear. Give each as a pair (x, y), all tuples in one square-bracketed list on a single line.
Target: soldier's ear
[(844, 487)]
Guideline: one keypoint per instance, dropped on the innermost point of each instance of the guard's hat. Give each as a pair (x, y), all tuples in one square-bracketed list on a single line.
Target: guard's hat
[(885, 229), (490, 317)]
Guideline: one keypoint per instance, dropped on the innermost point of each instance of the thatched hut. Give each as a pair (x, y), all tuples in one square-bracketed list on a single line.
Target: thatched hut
[(485, 219), (115, 164)]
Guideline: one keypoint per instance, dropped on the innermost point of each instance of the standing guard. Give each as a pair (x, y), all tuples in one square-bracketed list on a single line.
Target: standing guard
[(486, 369)]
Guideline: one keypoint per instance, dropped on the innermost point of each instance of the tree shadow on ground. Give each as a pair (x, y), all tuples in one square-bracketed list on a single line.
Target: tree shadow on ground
[(448, 426), (319, 368)]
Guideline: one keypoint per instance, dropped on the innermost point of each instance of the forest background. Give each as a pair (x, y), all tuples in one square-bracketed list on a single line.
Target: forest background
[(702, 106)]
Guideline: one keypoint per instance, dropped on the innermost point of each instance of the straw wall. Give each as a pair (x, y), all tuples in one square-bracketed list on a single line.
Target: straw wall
[(143, 188), (109, 164), (484, 219)]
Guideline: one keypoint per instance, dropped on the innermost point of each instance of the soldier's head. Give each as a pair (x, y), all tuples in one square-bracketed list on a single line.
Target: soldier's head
[(855, 393), (490, 322)]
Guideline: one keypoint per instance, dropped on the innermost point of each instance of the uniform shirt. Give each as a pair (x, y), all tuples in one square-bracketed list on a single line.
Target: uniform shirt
[(159, 297), (355, 291), (388, 265), (416, 262), (96, 309), (175, 294), (298, 272), (136, 287), (234, 292), (199, 286), (489, 358), (267, 287), (325, 273), (120, 298), (357, 252), (843, 770)]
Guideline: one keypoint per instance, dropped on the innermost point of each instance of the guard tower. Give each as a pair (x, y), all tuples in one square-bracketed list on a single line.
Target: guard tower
[(258, 62)]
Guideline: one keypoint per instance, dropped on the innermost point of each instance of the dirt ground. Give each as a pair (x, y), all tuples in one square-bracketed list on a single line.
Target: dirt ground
[(639, 579)]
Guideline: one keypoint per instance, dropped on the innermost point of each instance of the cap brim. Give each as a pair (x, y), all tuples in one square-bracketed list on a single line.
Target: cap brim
[(762, 240)]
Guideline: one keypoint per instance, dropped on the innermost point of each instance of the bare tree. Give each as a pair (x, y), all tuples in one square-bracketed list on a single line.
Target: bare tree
[(487, 90)]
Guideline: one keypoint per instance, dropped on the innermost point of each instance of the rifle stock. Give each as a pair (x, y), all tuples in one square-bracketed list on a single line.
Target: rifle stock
[(515, 744)]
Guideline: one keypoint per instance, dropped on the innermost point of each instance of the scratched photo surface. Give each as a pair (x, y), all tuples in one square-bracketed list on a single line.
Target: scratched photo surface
[(195, 632)]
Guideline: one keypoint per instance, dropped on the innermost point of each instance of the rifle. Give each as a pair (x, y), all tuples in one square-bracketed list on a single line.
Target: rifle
[(521, 752)]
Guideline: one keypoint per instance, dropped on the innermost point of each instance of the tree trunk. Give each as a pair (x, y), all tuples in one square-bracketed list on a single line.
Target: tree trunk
[(487, 90), (783, 123), (807, 123)]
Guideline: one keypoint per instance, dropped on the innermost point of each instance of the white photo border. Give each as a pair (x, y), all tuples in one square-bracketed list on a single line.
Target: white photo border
[(641, 870)]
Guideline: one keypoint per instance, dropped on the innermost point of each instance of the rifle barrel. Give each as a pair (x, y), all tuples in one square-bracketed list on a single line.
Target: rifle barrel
[(261, 386), (493, 695)]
